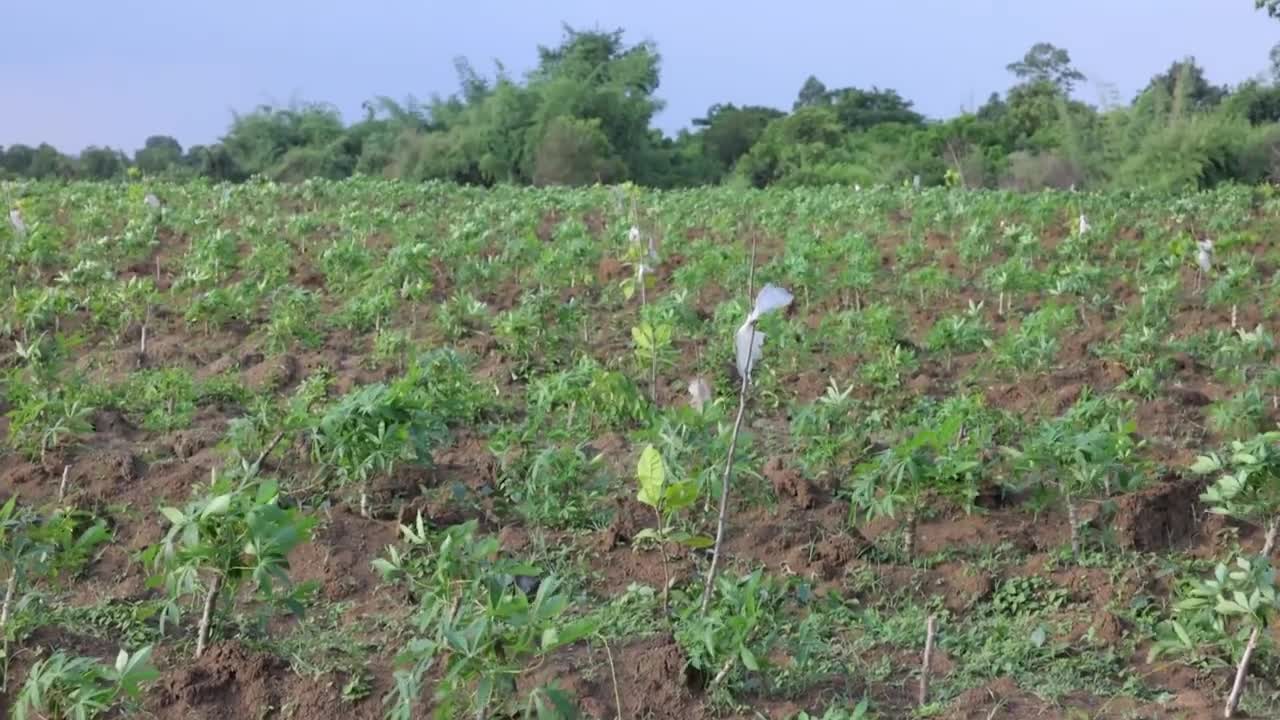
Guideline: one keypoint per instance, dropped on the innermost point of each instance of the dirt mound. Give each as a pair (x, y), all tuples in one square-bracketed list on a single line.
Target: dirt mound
[(1159, 517), (231, 683)]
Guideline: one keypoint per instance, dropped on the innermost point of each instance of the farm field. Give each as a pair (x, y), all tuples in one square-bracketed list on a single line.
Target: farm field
[(403, 449)]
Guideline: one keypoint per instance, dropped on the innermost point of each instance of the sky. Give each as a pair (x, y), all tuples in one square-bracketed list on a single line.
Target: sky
[(94, 72)]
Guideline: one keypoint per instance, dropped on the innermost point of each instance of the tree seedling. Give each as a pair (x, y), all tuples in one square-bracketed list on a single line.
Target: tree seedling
[(667, 499), (748, 344)]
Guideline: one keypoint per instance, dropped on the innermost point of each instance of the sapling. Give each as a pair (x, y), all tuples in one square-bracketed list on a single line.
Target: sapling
[(667, 498), (1249, 491), (231, 534), (748, 344), (933, 460)]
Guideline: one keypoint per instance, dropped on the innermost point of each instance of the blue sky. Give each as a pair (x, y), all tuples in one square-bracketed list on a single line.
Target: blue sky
[(111, 72)]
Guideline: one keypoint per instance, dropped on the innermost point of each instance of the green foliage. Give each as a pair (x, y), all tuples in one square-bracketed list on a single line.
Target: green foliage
[(230, 534), (475, 627), (78, 688), (1247, 486)]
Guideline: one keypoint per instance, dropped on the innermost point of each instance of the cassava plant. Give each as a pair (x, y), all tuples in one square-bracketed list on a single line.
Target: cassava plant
[(60, 687), (934, 461), (230, 534), (1247, 489)]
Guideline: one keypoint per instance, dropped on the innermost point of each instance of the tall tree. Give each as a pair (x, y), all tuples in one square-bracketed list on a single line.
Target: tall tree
[(1046, 62), (812, 94), (862, 109), (158, 154), (730, 131), (1186, 85), (102, 163)]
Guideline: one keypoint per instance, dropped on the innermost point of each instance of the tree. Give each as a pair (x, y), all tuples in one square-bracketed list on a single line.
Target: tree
[(1272, 7), (100, 163), (861, 109), (729, 131), (1186, 85), (1045, 62), (812, 94), (17, 159), (158, 155), (48, 163), (575, 152)]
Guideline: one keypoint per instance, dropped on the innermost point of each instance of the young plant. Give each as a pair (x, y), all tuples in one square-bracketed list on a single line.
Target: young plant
[(33, 546), (1240, 598), (652, 343), (1086, 453), (934, 461), (748, 344), (480, 619), (1248, 488), (369, 431), (667, 499), (82, 688), (229, 535)]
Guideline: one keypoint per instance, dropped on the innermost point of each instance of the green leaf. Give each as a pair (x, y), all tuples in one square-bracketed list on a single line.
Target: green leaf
[(748, 659), (697, 542), (217, 506), (1205, 464), (679, 496), (174, 515), (651, 476)]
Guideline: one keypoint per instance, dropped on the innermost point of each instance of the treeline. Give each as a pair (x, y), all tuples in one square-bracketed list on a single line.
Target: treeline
[(584, 115)]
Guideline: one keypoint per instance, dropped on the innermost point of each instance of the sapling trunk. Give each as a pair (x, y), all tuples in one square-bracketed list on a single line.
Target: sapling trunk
[(1073, 521), (1234, 315), (1237, 686), (206, 616), (666, 569), (909, 540), (926, 663), (724, 481), (653, 369), (62, 486), (10, 589)]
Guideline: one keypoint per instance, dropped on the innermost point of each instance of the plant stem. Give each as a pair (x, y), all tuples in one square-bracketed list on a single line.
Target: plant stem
[(210, 602), (617, 697), (1269, 543), (666, 570), (1073, 521), (653, 370), (10, 588), (909, 541), (751, 272), (62, 486), (931, 628), (1242, 669), (724, 480)]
